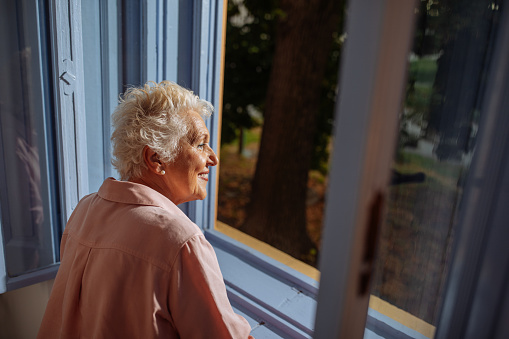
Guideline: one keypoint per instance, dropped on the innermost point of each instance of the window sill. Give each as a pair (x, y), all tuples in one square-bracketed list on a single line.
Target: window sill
[(277, 293), (397, 318), (268, 250), (29, 278), (278, 301)]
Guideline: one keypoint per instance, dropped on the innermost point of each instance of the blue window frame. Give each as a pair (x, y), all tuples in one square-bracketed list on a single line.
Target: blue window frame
[(44, 163), (28, 194)]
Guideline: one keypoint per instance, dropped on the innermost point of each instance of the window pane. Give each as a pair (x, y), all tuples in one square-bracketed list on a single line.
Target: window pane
[(26, 143), (280, 79), (438, 127)]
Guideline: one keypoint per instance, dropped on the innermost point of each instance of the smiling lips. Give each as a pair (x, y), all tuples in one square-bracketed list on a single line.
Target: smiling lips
[(204, 176)]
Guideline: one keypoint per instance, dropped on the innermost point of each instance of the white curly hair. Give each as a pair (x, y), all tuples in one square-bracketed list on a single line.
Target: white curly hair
[(155, 115)]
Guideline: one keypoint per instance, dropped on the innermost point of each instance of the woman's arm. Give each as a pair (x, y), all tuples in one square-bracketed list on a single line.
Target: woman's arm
[(198, 302)]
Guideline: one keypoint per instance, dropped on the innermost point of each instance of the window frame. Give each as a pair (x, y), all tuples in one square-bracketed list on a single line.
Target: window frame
[(268, 315), (372, 82), (476, 299), (102, 85), (68, 103), (204, 74)]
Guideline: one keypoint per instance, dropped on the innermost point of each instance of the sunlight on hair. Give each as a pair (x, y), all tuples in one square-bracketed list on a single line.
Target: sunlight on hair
[(154, 115)]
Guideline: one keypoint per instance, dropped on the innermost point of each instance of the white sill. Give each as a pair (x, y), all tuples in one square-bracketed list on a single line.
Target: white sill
[(279, 301)]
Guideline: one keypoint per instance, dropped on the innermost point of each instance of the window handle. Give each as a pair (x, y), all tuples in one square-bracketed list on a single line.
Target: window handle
[(370, 241)]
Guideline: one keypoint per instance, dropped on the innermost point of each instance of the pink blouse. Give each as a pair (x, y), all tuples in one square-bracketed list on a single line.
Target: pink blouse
[(134, 266)]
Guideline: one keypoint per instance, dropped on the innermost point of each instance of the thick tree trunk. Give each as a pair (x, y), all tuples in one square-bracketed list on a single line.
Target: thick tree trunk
[(277, 211)]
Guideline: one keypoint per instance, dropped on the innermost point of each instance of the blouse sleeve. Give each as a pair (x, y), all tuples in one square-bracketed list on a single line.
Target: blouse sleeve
[(198, 302)]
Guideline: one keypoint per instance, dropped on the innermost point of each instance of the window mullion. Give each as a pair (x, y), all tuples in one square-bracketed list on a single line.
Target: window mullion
[(69, 102), (205, 81)]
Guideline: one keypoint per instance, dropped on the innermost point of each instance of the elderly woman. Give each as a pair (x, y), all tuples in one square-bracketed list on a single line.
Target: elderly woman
[(132, 264)]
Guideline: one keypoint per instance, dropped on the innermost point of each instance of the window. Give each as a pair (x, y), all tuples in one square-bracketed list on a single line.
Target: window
[(65, 117), (28, 167), (438, 129), (278, 301), (43, 163), (372, 86), (102, 84), (280, 85)]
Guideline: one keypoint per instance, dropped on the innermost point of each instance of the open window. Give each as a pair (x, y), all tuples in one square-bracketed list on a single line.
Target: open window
[(414, 83), (448, 102), (129, 42)]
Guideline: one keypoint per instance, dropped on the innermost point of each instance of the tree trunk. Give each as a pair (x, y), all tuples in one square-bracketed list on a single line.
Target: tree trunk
[(277, 211)]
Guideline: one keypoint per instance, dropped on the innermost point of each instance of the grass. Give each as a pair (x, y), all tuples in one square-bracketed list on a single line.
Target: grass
[(251, 136), (421, 77)]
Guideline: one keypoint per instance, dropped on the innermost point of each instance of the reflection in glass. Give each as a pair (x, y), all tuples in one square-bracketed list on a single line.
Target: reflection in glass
[(24, 198), (438, 127)]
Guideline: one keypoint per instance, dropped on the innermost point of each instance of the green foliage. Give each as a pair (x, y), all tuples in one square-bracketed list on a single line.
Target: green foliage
[(419, 87), (325, 121), (250, 46), (424, 70)]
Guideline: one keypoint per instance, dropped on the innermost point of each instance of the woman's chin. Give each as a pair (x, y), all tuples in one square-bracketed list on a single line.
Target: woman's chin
[(199, 196)]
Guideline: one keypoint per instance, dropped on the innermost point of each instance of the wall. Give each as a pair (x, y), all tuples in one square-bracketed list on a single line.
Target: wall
[(21, 310)]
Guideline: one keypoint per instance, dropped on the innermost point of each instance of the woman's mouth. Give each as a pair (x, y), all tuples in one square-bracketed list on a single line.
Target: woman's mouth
[(204, 176)]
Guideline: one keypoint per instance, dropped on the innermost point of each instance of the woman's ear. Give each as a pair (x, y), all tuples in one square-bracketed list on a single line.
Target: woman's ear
[(152, 160)]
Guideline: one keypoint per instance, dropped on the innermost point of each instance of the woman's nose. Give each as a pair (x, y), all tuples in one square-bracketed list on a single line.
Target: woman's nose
[(213, 159)]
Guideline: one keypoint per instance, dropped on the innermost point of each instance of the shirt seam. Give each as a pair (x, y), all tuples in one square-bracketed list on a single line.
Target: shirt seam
[(166, 268), (182, 246)]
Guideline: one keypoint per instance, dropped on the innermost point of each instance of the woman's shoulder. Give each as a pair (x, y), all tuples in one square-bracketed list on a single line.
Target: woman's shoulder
[(149, 232), (172, 223), (163, 233)]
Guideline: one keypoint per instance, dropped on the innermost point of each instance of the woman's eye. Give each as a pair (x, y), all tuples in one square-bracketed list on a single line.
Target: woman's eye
[(201, 146)]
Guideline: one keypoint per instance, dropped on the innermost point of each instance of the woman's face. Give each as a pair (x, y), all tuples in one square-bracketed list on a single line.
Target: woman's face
[(187, 176)]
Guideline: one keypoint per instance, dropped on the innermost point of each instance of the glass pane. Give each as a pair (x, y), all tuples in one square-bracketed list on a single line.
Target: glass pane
[(438, 127), (25, 141), (280, 79)]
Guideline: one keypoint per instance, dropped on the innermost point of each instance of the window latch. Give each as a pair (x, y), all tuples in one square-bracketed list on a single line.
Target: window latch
[(370, 242)]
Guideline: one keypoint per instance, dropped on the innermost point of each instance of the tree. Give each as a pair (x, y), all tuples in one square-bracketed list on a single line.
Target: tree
[(277, 211), (248, 58)]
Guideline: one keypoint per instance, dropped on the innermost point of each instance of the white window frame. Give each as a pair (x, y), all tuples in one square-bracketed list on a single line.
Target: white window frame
[(373, 77)]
